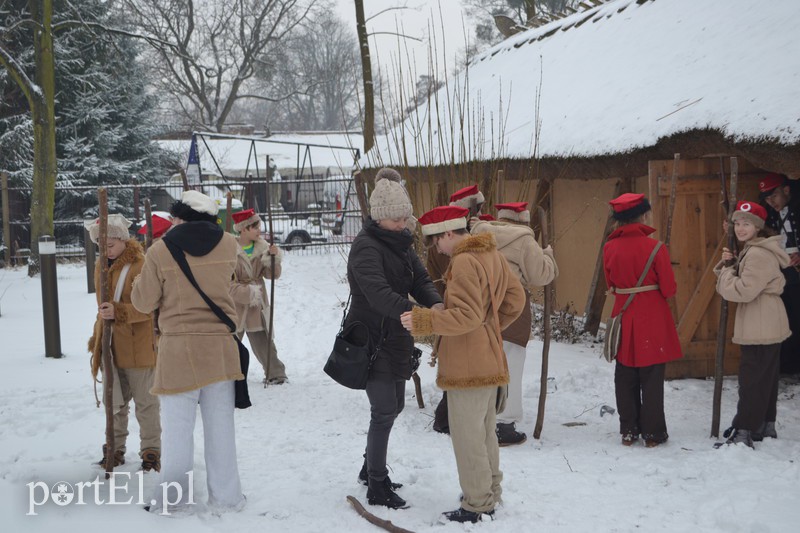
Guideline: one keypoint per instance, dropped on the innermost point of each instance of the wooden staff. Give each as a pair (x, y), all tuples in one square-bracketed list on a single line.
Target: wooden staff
[(148, 242), (672, 198), (729, 203), (548, 309), (228, 214), (108, 370), (372, 519), (271, 269)]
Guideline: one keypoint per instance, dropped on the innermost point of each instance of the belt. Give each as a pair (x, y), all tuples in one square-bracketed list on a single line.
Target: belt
[(632, 290)]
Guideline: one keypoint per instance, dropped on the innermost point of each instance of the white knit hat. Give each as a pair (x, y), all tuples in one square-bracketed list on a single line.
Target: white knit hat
[(200, 202), (117, 228), (389, 199)]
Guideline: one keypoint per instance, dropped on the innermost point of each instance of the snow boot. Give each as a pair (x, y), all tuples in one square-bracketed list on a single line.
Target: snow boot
[(507, 434), (629, 438), (363, 478), (462, 515), (151, 460), (381, 493), (767, 429), (741, 436), (119, 458)]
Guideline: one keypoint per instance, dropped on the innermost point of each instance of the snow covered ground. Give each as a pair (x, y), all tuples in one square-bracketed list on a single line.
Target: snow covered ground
[(300, 445)]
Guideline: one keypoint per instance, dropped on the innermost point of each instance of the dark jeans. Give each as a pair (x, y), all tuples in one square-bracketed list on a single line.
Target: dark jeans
[(640, 401), (386, 393), (758, 386), (790, 349)]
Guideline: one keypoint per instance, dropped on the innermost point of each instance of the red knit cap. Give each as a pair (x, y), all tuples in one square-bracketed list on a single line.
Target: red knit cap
[(160, 227), (514, 211), (750, 211), (626, 201), (770, 182), (464, 197), (443, 218), (242, 219)]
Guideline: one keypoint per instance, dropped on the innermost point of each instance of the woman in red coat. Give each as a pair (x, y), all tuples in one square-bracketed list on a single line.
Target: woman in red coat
[(648, 337)]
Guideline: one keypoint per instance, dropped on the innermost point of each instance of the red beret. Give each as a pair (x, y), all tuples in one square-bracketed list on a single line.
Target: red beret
[(243, 215), (752, 208), (770, 182), (626, 201), (443, 218), (160, 227), (487, 217)]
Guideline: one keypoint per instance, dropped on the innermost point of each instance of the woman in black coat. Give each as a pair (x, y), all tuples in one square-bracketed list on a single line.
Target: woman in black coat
[(383, 270)]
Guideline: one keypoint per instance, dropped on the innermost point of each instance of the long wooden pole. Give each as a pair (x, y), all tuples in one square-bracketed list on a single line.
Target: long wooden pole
[(148, 242), (6, 219), (108, 369), (673, 193), (729, 203), (228, 214), (548, 309), (271, 267)]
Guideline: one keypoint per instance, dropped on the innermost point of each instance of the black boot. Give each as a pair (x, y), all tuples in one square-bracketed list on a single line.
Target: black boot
[(462, 515), (381, 493), (507, 434), (363, 478)]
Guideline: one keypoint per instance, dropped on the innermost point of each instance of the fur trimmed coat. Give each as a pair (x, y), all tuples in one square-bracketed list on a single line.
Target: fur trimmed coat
[(755, 283), (252, 271), (132, 339), (470, 348)]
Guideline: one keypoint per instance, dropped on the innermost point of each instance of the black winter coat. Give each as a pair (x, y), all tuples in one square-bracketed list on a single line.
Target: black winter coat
[(774, 221), (382, 270)]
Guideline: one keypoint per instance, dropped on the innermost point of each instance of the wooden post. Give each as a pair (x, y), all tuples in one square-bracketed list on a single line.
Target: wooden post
[(91, 259), (108, 369), (6, 220), (722, 332), (597, 290), (228, 214), (500, 197), (136, 212), (361, 194), (148, 220), (442, 198), (548, 309), (672, 198)]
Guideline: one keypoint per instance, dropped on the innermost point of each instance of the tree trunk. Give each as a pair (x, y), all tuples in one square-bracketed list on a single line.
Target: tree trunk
[(366, 73), (42, 102)]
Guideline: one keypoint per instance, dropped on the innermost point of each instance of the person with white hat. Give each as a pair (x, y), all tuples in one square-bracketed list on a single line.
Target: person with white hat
[(133, 354), (482, 297), (198, 358)]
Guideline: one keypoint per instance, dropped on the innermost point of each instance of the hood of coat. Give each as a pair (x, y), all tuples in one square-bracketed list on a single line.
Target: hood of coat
[(195, 238), (505, 233), (484, 242), (632, 230), (773, 245)]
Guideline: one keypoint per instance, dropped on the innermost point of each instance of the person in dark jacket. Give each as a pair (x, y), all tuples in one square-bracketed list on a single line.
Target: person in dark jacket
[(383, 270), (781, 198), (648, 336)]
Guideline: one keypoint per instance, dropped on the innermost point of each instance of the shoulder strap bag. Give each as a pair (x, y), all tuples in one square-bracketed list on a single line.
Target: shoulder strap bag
[(350, 360)]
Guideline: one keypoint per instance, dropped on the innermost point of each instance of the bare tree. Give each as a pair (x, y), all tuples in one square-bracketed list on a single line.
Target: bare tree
[(319, 69), (482, 12), (212, 48)]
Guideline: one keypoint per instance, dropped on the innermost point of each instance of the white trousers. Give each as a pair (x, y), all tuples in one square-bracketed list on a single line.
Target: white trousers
[(515, 354), (178, 415)]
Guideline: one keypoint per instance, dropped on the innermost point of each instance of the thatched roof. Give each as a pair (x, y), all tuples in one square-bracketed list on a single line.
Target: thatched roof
[(621, 83)]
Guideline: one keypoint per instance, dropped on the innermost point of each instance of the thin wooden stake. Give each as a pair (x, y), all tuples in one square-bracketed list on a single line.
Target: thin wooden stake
[(228, 214), (372, 519), (108, 369), (729, 202), (148, 220), (548, 309), (272, 266)]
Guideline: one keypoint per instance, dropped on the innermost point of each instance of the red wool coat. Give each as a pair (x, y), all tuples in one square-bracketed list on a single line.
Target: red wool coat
[(648, 334)]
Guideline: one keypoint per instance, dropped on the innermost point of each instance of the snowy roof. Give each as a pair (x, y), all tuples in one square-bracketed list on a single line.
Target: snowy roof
[(233, 152), (614, 78)]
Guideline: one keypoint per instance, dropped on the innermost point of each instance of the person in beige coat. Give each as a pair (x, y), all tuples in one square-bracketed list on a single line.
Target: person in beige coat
[(132, 344), (482, 297), (535, 268), (755, 282), (198, 359), (253, 266)]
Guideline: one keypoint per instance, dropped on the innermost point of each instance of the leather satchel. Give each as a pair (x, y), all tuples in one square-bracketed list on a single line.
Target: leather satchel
[(350, 360), (614, 324)]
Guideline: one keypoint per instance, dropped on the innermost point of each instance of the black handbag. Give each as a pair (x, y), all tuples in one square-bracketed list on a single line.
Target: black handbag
[(242, 395), (350, 360)]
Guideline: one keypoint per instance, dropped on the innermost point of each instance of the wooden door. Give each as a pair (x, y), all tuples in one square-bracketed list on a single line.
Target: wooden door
[(696, 246)]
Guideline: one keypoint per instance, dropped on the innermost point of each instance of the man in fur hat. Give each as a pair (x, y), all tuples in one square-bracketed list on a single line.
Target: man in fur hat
[(482, 297), (253, 266), (132, 344)]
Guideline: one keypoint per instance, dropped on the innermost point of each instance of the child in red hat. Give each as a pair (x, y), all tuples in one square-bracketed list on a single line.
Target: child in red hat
[(482, 297), (755, 283), (253, 266), (648, 338)]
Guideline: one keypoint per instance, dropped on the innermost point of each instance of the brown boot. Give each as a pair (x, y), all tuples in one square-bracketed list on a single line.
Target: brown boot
[(151, 460), (119, 458)]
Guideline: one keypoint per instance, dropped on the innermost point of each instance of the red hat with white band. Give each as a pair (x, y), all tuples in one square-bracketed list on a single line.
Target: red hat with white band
[(464, 197), (751, 212), (442, 219), (245, 218), (517, 211), (160, 227)]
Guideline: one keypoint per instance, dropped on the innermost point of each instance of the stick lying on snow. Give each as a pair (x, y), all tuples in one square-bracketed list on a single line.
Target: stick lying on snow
[(372, 519)]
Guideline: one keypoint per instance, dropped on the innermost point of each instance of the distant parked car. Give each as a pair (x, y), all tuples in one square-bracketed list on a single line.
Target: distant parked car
[(294, 233)]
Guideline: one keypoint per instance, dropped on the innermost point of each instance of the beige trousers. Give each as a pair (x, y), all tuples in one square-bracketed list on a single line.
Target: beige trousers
[(472, 417), (134, 384), (267, 354)]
